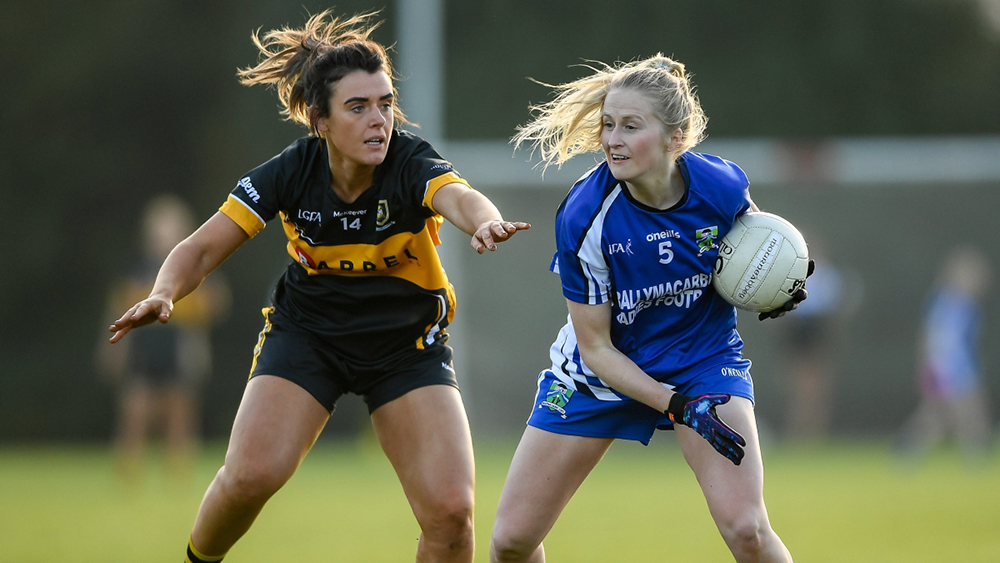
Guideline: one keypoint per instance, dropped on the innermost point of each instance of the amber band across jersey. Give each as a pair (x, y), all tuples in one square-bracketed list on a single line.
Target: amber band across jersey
[(365, 273), (365, 297)]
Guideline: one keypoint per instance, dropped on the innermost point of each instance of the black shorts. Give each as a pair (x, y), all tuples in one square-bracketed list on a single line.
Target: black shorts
[(301, 358)]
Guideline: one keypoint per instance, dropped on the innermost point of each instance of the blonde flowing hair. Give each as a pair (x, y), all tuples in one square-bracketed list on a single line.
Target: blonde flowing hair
[(304, 65), (571, 123)]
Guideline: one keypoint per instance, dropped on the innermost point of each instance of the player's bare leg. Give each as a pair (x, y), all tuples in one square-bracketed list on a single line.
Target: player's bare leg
[(425, 434), (276, 425), (735, 494), (546, 471)]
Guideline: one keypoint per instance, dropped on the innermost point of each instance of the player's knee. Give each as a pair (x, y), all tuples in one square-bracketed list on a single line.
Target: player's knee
[(509, 547), (449, 519), (252, 483), (745, 535), (512, 539)]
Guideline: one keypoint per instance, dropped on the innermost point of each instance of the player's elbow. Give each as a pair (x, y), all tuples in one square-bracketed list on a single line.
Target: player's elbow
[(596, 354)]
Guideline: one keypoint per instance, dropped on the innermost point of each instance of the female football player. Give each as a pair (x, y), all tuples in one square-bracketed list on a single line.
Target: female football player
[(649, 344), (364, 304)]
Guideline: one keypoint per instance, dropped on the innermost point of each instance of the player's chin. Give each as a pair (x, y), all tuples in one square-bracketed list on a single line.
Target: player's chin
[(373, 159), (620, 170)]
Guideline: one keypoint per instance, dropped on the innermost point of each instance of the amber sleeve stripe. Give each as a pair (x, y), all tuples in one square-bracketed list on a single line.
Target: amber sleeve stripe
[(437, 183), (243, 215)]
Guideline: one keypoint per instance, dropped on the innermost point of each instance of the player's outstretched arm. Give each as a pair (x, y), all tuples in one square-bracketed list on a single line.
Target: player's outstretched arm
[(699, 414), (182, 272), (475, 215)]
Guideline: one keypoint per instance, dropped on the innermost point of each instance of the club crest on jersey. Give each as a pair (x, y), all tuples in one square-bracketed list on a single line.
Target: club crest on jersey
[(383, 212), (705, 237), (557, 398)]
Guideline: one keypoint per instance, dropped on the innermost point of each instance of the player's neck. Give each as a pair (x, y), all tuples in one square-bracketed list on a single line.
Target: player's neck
[(349, 179), (659, 191)]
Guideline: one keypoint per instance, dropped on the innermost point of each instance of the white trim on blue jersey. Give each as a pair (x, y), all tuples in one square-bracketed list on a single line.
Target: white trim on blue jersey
[(591, 255), (568, 366)]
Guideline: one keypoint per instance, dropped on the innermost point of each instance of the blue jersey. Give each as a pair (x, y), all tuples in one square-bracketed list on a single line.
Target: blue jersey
[(654, 267), (950, 334)]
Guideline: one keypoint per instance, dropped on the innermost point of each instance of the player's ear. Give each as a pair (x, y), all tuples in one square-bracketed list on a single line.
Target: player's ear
[(675, 139), (319, 121)]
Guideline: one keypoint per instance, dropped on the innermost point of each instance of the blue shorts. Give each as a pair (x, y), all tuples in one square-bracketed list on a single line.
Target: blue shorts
[(563, 408)]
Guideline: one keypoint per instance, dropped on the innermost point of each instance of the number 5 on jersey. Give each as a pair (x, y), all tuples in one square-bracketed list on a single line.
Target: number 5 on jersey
[(666, 255)]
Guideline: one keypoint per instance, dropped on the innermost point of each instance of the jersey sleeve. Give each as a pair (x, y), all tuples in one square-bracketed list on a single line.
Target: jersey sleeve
[(579, 259), (728, 183), (425, 172), (737, 191), (255, 199)]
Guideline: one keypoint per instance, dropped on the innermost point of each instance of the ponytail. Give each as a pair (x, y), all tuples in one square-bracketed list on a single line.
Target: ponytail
[(305, 64)]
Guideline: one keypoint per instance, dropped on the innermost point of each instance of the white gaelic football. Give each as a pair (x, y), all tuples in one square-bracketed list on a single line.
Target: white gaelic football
[(762, 262)]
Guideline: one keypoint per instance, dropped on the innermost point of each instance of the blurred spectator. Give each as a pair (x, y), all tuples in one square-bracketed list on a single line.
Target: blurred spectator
[(952, 399), (158, 372), (811, 335)]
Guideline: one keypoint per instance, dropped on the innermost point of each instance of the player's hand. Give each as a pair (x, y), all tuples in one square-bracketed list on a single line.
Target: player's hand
[(492, 232), (142, 313), (699, 414), (792, 303)]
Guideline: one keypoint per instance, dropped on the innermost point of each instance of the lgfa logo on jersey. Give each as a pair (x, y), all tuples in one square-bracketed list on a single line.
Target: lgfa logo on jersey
[(705, 237), (557, 398), (625, 248)]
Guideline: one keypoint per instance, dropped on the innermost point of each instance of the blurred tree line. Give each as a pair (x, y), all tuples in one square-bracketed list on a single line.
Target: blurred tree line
[(107, 103)]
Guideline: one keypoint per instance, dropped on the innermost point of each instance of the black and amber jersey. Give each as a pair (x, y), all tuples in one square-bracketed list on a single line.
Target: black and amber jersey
[(366, 276)]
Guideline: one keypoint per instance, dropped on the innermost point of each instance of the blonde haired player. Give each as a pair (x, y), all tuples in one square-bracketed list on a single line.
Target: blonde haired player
[(649, 344), (364, 304)]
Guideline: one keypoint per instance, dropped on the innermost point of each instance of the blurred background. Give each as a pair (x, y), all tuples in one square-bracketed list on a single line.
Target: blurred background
[(873, 126)]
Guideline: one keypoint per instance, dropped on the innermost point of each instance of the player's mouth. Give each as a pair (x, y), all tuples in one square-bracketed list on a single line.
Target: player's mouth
[(618, 158), (375, 142)]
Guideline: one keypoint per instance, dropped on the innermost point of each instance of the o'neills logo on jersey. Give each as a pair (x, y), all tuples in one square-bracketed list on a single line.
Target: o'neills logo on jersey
[(662, 235), (733, 372)]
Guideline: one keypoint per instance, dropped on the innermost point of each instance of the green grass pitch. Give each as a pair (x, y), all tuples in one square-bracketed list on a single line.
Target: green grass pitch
[(841, 502)]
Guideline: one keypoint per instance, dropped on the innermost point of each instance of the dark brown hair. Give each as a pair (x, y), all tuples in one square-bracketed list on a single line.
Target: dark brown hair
[(304, 65)]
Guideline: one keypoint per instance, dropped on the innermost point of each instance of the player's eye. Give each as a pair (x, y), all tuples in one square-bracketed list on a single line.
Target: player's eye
[(357, 109)]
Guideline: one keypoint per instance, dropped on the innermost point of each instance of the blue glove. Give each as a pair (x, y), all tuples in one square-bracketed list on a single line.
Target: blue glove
[(699, 414)]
